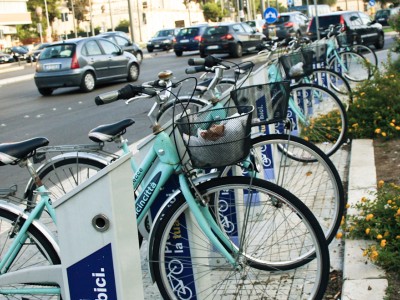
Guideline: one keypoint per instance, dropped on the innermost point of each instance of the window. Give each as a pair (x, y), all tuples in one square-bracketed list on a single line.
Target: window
[(365, 19), (109, 48), (247, 28), (121, 41), (91, 49), (237, 28)]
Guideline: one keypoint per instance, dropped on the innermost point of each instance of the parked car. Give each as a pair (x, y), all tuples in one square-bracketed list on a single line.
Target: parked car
[(188, 39), (83, 62), (18, 52), (230, 38), (162, 40), (257, 25), (6, 58), (290, 24), (382, 16), (34, 53), (122, 40), (353, 23)]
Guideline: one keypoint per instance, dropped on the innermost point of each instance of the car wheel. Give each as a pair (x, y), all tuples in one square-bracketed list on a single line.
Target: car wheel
[(202, 54), (238, 51), (381, 42), (139, 57), (133, 72), (149, 49), (88, 82), (45, 91), (178, 53)]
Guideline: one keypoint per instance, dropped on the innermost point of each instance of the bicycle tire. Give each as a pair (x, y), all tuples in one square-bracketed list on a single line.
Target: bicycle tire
[(303, 169), (357, 67), (320, 118), (177, 107), (335, 82), (210, 276), (36, 251), (368, 54)]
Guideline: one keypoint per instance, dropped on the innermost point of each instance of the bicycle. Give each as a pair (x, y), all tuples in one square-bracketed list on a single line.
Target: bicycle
[(224, 259)]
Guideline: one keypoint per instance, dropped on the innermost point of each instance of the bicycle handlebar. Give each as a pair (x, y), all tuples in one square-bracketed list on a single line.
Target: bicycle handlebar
[(124, 93), (210, 61), (193, 70)]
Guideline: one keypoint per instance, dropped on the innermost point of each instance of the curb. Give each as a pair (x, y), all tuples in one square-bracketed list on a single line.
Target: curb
[(16, 79), (361, 278)]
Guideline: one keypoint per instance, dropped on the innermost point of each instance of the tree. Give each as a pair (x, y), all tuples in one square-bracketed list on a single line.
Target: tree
[(81, 9), (212, 12)]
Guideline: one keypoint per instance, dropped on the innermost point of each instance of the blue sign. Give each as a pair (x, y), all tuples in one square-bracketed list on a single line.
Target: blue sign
[(270, 15), (290, 3), (371, 2)]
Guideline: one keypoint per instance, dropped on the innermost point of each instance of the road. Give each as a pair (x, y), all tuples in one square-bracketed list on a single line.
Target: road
[(68, 115)]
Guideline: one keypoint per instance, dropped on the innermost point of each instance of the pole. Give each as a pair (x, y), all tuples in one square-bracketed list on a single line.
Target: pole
[(130, 8), (47, 17), (73, 17), (111, 19), (241, 12), (91, 17)]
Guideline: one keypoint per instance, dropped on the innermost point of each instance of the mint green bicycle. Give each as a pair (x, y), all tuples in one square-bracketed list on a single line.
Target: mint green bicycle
[(275, 242)]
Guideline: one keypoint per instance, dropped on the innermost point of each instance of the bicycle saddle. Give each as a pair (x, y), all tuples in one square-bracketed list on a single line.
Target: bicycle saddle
[(11, 153), (108, 132)]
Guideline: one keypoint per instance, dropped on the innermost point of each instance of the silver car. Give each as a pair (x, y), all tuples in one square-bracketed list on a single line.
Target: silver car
[(83, 62)]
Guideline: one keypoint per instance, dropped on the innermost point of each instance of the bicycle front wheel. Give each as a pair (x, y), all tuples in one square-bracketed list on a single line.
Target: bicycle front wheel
[(318, 116), (351, 65), (369, 54), (279, 246), (36, 251), (303, 169)]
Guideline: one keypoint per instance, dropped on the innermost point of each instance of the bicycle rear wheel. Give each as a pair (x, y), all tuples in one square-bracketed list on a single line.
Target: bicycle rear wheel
[(303, 169), (369, 54), (274, 235), (351, 65), (35, 252), (318, 116)]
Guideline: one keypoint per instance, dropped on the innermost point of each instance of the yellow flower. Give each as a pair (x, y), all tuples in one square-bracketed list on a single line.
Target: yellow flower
[(342, 222), (397, 127), (383, 133), (363, 199), (377, 89), (378, 130), (398, 213), (355, 125), (365, 252), (367, 231), (347, 205), (391, 76), (380, 183), (373, 255), (339, 235), (389, 202), (362, 94), (369, 217), (379, 237), (393, 121), (398, 237), (383, 243), (392, 124)]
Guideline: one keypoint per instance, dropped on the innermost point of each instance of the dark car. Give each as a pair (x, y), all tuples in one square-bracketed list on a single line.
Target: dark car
[(83, 62), (6, 58), (290, 24), (34, 53), (382, 16), (230, 38), (162, 40), (18, 52), (353, 23), (188, 39), (124, 42)]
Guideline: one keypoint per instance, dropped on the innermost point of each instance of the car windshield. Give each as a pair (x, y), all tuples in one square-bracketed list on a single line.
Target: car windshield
[(188, 32), (215, 30), (58, 51), (325, 21), (382, 13), (164, 33), (282, 19)]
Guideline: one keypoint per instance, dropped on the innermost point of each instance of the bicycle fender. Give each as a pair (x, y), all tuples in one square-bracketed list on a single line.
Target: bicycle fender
[(61, 157), (165, 205), (37, 224)]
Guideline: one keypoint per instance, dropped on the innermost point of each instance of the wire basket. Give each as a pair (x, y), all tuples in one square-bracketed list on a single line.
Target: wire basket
[(297, 64), (217, 137), (270, 100), (319, 52), (345, 40)]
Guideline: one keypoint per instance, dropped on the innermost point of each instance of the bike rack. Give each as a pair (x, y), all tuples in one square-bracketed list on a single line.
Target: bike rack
[(98, 237)]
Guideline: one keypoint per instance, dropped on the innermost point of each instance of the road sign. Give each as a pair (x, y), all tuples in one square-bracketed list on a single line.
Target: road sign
[(289, 3), (371, 2), (270, 15)]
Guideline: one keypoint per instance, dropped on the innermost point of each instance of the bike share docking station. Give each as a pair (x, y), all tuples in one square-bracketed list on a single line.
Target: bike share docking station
[(98, 237)]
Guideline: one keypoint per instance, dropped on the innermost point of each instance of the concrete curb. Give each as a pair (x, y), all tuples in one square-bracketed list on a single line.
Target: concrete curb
[(361, 279), (16, 79)]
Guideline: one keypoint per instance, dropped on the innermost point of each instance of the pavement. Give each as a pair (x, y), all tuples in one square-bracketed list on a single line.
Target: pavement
[(361, 279)]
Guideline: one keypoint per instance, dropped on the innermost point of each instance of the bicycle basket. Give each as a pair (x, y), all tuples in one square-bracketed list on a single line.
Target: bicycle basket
[(319, 52), (344, 40), (297, 64), (270, 100), (217, 137)]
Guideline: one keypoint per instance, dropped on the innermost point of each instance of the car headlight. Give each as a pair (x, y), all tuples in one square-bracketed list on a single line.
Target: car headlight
[(166, 41)]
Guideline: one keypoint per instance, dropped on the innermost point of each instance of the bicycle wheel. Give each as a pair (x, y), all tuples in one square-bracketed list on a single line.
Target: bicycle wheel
[(351, 65), (63, 175), (35, 252), (276, 238), (303, 169), (334, 82), (177, 107), (368, 54), (318, 116)]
